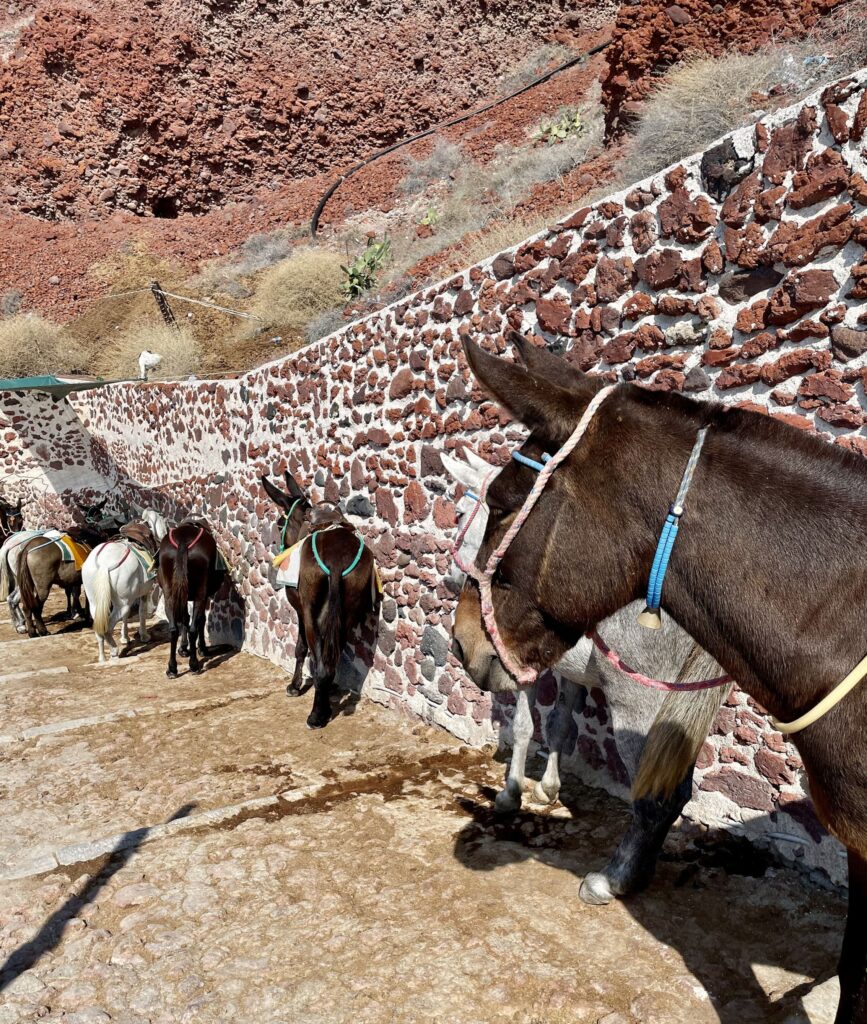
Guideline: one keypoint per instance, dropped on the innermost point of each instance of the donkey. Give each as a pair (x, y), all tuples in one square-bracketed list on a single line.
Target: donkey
[(668, 654), (118, 574), (38, 559), (769, 494), (337, 588), (190, 573), (11, 519)]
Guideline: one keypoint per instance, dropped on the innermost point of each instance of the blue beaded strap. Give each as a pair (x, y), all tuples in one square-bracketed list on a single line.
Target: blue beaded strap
[(295, 504), (324, 567), (669, 530)]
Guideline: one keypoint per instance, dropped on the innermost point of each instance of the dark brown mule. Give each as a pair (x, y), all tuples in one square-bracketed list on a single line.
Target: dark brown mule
[(330, 604), (768, 573), (189, 572), (41, 566), (11, 519)]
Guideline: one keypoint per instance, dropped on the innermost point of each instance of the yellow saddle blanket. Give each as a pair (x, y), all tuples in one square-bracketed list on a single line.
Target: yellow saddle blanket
[(73, 550)]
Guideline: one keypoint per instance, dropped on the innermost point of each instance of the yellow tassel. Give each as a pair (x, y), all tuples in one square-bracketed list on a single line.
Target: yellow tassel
[(650, 619)]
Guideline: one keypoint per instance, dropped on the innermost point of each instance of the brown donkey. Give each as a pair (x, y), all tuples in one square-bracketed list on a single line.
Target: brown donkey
[(768, 572), (337, 588), (190, 572)]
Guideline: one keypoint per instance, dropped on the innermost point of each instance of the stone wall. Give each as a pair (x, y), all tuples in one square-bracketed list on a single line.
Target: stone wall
[(735, 276)]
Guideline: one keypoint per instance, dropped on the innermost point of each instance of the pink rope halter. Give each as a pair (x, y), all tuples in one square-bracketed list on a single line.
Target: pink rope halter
[(522, 673), (525, 675)]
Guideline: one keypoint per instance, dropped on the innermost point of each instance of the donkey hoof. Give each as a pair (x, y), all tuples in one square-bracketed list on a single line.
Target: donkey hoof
[(21, 629), (507, 801), (172, 673), (293, 691), (540, 795), (315, 721), (595, 890)]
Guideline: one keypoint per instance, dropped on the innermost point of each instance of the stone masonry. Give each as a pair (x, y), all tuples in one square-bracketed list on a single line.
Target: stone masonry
[(736, 276)]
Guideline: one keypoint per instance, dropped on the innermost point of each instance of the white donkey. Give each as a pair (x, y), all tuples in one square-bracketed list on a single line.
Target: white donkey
[(119, 573), (668, 653)]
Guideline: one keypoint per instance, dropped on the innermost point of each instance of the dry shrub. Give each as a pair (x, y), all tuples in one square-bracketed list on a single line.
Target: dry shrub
[(294, 291), (181, 353), (31, 346), (548, 55), (135, 266), (705, 98), (443, 161), (844, 33)]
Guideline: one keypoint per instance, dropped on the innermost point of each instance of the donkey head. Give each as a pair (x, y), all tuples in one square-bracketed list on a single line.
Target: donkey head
[(530, 589), (155, 522), (295, 504)]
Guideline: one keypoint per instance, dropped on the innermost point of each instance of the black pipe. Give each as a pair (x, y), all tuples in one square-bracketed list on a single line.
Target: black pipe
[(314, 222)]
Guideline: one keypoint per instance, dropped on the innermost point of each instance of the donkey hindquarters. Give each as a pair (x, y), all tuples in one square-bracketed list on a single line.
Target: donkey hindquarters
[(187, 575), (332, 607), (40, 566)]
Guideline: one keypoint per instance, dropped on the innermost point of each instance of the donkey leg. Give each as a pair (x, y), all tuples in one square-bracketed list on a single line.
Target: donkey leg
[(14, 602), (853, 959), (301, 649), (323, 680), (197, 625), (143, 634), (547, 789), (174, 630), (634, 862), (508, 800)]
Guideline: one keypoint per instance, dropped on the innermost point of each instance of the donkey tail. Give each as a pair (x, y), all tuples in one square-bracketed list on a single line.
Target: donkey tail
[(100, 599), (331, 622), (179, 585), (678, 731), (26, 584), (5, 576)]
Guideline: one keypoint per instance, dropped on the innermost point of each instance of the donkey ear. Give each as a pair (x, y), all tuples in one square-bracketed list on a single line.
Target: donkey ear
[(476, 461), (275, 494), (537, 403), (292, 485), (542, 363), (461, 471)]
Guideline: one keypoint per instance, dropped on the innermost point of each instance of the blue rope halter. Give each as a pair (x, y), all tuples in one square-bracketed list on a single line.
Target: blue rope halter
[(324, 567), (294, 505), (650, 616)]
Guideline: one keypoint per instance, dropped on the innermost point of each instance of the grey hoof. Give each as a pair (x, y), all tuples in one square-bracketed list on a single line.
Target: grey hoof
[(508, 800), (595, 890)]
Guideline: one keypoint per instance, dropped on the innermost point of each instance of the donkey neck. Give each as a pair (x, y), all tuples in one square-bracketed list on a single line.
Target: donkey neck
[(767, 573)]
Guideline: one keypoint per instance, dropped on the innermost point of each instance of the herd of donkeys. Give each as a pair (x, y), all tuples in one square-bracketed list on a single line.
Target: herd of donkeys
[(552, 550)]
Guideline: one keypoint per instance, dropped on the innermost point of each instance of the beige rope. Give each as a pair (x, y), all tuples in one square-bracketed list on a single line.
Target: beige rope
[(824, 705)]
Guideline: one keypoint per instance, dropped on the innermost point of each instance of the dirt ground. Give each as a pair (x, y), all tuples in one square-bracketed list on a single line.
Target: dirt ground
[(187, 851)]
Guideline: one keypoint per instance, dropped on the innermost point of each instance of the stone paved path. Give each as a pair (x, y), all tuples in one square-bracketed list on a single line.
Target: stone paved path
[(264, 873)]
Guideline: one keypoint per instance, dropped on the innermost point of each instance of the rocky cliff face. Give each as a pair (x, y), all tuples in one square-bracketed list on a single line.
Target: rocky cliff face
[(649, 37), (168, 107)]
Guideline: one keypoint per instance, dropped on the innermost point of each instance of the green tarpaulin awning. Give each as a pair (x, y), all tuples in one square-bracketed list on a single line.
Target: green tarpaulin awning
[(58, 386)]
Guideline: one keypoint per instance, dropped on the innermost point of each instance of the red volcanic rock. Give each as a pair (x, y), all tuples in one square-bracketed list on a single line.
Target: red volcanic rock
[(652, 36), (649, 337), (644, 231), (637, 305), (798, 294), (841, 416), (752, 317), (793, 364), (663, 361), (737, 376), (503, 266), (769, 204), (847, 342), (415, 503), (743, 789), (620, 349), (824, 176), (712, 258), (789, 145), (799, 244), (859, 277), (745, 246), (828, 384), (578, 265), (684, 218), (402, 384), (661, 269), (739, 202), (613, 278), (554, 315)]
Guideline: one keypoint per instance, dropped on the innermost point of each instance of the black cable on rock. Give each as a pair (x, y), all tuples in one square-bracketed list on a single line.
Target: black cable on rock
[(314, 222)]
